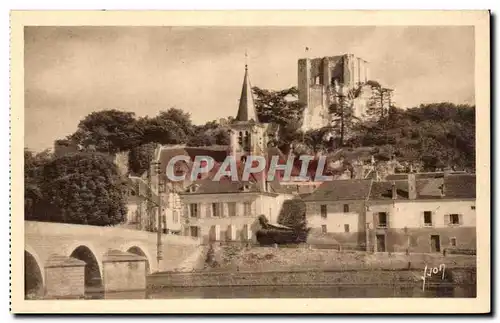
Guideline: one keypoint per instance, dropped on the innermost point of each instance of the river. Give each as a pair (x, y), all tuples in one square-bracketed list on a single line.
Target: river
[(350, 291)]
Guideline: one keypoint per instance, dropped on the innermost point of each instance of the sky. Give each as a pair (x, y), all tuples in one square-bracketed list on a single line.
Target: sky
[(73, 71)]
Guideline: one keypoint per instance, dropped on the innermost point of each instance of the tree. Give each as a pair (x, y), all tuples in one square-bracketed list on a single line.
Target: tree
[(160, 130), (380, 101), (180, 118), (293, 214), (209, 134), (33, 175), (437, 135), (83, 188), (109, 131), (342, 113), (283, 109), (140, 157), (318, 140)]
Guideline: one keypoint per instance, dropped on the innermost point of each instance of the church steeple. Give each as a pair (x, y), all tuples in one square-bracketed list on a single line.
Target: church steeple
[(246, 110)]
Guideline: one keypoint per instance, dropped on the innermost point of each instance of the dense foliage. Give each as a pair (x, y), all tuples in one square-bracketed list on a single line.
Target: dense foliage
[(284, 110), (140, 158), (293, 214), (81, 188), (437, 135)]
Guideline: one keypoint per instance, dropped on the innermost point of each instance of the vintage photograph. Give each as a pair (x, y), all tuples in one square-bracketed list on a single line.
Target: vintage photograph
[(250, 162)]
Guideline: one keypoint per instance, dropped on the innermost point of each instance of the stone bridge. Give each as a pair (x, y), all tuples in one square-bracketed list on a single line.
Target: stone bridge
[(58, 245)]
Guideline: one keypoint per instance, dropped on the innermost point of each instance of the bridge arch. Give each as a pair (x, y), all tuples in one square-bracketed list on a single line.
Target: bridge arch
[(140, 249), (34, 278), (93, 262)]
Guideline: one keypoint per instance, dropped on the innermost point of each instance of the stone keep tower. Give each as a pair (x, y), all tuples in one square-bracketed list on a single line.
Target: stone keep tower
[(248, 135), (317, 76)]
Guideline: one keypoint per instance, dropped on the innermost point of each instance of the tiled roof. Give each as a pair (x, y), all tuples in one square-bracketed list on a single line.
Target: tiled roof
[(383, 190), (355, 189), (207, 186), (460, 186), (455, 187)]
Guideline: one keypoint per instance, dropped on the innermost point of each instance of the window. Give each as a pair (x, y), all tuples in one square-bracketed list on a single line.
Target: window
[(193, 210), (231, 207), (323, 211), (175, 217), (216, 211), (346, 228), (453, 242), (323, 229), (194, 231), (428, 218), (346, 208), (454, 219), (382, 219), (473, 207), (247, 208)]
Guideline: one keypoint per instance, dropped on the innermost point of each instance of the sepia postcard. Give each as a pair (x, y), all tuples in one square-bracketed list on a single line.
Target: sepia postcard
[(250, 162)]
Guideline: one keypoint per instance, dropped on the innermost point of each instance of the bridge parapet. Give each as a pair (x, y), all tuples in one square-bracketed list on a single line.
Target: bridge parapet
[(44, 240)]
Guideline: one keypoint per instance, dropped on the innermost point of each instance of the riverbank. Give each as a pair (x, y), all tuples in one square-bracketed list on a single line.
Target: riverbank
[(367, 277), (234, 258)]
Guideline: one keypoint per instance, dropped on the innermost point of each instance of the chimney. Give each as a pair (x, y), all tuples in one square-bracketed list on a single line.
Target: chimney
[(394, 191), (412, 186)]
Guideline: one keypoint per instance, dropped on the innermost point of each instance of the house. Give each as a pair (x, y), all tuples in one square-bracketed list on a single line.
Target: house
[(419, 214), (141, 214), (423, 215), (228, 209), (336, 210)]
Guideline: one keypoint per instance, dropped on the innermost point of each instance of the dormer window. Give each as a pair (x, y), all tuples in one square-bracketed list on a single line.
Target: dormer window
[(192, 188), (245, 187)]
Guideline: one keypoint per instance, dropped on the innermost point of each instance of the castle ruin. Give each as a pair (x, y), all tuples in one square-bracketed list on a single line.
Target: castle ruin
[(321, 81)]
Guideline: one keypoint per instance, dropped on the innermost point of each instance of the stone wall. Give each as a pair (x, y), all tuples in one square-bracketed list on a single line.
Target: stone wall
[(420, 238), (65, 281), (121, 275), (323, 278)]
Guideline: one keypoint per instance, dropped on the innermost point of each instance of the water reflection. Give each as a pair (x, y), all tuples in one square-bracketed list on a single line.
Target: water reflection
[(351, 291)]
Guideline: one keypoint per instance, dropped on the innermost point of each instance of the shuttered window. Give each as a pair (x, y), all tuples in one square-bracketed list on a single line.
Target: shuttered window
[(193, 210), (427, 218), (231, 207), (453, 219), (216, 209), (247, 208), (323, 211)]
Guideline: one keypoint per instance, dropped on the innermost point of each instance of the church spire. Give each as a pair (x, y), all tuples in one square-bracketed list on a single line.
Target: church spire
[(246, 110)]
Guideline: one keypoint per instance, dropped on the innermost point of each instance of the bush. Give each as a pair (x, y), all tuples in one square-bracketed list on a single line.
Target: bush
[(270, 237)]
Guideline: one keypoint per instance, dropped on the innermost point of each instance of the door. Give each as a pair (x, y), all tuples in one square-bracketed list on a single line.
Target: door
[(435, 243), (380, 242)]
